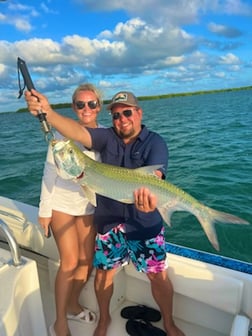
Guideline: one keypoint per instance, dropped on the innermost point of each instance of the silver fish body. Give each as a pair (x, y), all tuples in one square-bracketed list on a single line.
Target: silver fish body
[(119, 183)]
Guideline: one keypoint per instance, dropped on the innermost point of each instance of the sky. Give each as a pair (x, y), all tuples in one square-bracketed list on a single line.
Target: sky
[(149, 47)]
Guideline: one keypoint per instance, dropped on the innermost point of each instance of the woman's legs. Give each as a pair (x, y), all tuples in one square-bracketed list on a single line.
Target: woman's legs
[(86, 237), (65, 235), (74, 237)]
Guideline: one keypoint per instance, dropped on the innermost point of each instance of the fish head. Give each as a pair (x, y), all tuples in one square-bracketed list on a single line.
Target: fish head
[(68, 159)]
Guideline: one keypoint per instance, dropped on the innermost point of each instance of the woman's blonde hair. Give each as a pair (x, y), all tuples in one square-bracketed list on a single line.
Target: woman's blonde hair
[(88, 87)]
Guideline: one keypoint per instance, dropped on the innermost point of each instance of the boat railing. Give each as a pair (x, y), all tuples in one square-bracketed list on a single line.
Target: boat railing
[(14, 247)]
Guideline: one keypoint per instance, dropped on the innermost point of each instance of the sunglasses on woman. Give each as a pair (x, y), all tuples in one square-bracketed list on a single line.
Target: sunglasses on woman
[(92, 104)]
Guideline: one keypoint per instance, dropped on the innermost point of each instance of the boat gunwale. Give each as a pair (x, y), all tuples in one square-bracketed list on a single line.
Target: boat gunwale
[(210, 258), (187, 252)]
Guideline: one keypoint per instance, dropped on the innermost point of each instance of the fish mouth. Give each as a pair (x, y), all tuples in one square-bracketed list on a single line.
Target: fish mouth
[(80, 176), (59, 144)]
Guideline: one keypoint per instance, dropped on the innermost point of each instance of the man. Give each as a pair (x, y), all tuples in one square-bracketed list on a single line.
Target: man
[(137, 229)]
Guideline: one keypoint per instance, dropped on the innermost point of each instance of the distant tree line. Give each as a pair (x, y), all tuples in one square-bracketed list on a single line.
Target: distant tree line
[(168, 95)]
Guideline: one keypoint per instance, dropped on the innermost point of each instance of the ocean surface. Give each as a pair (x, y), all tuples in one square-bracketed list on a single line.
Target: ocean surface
[(210, 156)]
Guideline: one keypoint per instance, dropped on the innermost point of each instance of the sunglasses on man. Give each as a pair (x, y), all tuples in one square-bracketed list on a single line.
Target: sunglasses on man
[(125, 113)]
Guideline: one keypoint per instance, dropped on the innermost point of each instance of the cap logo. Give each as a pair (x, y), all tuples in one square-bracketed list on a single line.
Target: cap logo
[(121, 97)]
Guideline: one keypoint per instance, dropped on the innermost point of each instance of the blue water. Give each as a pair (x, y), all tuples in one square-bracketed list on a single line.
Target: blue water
[(210, 147)]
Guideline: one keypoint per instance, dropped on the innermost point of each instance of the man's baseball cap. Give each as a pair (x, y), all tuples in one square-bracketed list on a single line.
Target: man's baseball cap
[(123, 97)]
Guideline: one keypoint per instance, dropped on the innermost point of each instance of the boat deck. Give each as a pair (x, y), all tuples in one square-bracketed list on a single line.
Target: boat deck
[(205, 295), (117, 326)]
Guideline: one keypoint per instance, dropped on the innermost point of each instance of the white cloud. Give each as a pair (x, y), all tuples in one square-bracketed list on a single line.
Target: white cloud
[(223, 30), (170, 12), (21, 24), (2, 18), (45, 8), (235, 68), (18, 16), (236, 7), (220, 74), (2, 69), (174, 60), (229, 59), (145, 41)]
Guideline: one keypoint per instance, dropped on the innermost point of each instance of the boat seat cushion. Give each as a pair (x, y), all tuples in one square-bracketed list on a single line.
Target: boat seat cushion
[(191, 279)]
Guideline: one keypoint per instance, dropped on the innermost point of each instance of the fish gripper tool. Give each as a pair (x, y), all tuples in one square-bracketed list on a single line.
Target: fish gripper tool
[(22, 67)]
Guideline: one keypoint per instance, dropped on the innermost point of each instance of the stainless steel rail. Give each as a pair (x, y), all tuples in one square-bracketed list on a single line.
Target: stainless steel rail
[(14, 248)]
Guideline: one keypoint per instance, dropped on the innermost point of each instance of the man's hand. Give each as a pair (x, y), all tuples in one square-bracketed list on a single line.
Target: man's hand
[(144, 200)]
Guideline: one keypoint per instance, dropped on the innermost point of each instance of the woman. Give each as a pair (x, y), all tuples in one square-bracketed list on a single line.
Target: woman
[(64, 208)]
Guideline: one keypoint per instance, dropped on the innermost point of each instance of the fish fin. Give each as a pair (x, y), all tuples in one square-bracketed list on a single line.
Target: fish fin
[(90, 194), (208, 216), (205, 215), (166, 212), (148, 169), (207, 223)]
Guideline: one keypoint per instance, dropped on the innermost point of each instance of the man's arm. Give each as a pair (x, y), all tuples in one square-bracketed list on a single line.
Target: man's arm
[(66, 126)]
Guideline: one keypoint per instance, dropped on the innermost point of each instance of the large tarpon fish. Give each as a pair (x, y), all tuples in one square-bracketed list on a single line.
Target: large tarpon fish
[(119, 183)]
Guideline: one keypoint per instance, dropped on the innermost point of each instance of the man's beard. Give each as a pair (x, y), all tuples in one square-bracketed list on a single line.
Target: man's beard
[(126, 135)]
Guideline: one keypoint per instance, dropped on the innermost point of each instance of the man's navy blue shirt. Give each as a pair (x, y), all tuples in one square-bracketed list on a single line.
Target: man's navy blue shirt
[(149, 148)]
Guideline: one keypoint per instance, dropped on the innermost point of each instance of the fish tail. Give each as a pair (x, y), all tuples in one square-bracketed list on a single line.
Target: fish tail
[(208, 216)]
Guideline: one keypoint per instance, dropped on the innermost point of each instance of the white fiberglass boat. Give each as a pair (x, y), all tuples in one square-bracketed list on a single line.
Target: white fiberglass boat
[(213, 295)]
